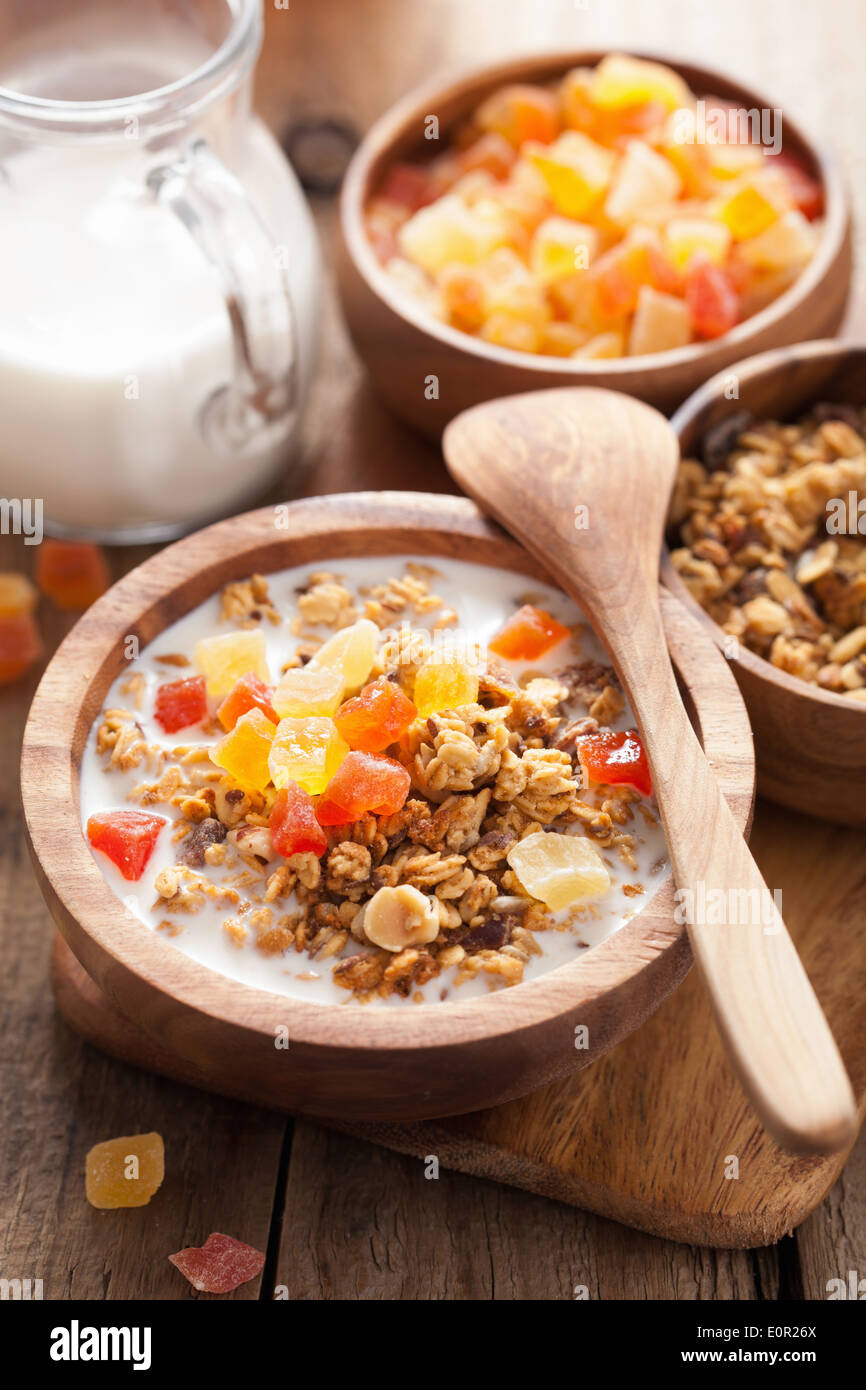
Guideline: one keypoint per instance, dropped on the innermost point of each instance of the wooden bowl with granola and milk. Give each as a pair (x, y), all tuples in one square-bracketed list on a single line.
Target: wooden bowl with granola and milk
[(341, 802), (768, 548)]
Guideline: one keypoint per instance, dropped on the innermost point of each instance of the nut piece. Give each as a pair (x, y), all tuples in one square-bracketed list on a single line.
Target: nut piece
[(398, 917)]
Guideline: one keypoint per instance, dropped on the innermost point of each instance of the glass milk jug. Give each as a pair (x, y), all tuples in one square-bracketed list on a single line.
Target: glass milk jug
[(159, 271)]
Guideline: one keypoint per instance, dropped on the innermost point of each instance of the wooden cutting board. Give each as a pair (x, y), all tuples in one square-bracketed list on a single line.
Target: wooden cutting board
[(657, 1134)]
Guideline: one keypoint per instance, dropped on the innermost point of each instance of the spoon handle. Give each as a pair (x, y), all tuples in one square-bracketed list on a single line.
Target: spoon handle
[(776, 1034)]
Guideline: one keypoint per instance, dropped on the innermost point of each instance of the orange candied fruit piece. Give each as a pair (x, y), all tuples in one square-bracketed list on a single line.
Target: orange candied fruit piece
[(364, 783), (250, 692), (180, 703), (711, 299), (520, 112), (17, 595), (528, 634), (293, 825), (245, 749), (124, 1172), (128, 838), (616, 759), (20, 646), (376, 718), (72, 573)]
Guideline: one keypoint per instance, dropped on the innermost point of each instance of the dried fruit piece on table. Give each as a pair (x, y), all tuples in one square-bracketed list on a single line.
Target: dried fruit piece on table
[(444, 684), (308, 690), (528, 634), (293, 825), (306, 751), (224, 659), (180, 703), (559, 870), (71, 573), (374, 719), (221, 1265), (247, 693), (616, 759), (245, 750), (126, 837), (364, 783), (17, 595), (395, 918), (520, 112), (20, 646), (351, 652), (124, 1172), (711, 299)]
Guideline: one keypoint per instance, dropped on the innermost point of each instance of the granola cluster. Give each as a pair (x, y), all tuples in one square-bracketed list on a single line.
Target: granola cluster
[(770, 545), (483, 777)]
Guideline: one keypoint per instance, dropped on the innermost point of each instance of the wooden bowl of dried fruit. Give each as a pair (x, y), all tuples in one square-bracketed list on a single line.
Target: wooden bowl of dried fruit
[(768, 548), (303, 797), (591, 219)]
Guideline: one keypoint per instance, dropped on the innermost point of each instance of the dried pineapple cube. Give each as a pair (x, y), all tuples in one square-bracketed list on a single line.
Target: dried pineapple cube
[(561, 246), (643, 179), (754, 203), (448, 230), (620, 81), (603, 345), (576, 170), (308, 690), (444, 685), (560, 870), (245, 750), (788, 242), (661, 322), (306, 751), (224, 659), (351, 652), (685, 236)]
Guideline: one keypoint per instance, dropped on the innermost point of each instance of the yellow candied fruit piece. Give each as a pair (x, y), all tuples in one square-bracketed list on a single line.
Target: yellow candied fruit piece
[(306, 751), (448, 230), (124, 1172), (562, 339), (509, 331), (620, 81), (444, 685), (643, 180), (786, 243), (17, 595), (603, 345), (350, 652), (223, 660), (754, 204), (559, 870), (245, 750), (661, 322), (562, 246), (684, 237), (304, 691), (731, 160), (576, 170)]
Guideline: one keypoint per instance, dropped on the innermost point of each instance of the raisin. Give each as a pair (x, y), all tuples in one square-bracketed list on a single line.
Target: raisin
[(720, 439), (207, 832)]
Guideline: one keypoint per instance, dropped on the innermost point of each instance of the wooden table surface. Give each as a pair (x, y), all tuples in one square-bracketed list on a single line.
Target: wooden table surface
[(340, 1218)]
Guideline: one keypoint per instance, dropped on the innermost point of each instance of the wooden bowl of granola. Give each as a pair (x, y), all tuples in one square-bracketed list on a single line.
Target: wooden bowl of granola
[(780, 560), (428, 370), (281, 1039)]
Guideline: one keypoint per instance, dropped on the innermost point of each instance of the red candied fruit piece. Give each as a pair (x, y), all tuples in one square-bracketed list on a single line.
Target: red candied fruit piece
[(72, 574), (250, 692), (363, 783), (409, 185), (293, 825), (528, 634), (806, 192), (375, 718), (616, 759), (20, 646), (180, 703), (127, 837), (711, 299), (221, 1265)]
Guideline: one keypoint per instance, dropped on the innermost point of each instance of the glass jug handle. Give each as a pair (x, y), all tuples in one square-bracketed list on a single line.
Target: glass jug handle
[(258, 406)]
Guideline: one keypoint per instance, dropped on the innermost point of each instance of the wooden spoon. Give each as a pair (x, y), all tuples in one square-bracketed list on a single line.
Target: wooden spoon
[(582, 478)]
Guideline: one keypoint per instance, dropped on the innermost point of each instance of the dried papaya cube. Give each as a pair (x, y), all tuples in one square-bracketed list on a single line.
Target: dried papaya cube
[(408, 185), (559, 870), (351, 652), (376, 718), (306, 751), (711, 299), (20, 646), (528, 635), (619, 274), (622, 81), (124, 1172), (73, 574), (444, 684), (462, 291), (615, 759), (520, 112), (561, 246), (307, 690), (221, 1265), (180, 703), (247, 693), (293, 825), (661, 322), (245, 750), (17, 595), (643, 179), (224, 659), (365, 783), (685, 237), (128, 838), (576, 170)]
